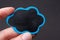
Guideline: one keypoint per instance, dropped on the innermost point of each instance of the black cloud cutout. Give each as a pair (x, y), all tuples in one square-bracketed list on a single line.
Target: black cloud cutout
[(26, 20)]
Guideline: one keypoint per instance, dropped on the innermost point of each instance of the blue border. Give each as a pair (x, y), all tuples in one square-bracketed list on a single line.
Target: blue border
[(38, 13)]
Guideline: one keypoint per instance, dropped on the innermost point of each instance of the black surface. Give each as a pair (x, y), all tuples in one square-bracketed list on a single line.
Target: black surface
[(50, 8), (26, 20)]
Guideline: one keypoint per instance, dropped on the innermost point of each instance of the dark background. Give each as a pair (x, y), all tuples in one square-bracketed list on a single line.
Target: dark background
[(50, 8)]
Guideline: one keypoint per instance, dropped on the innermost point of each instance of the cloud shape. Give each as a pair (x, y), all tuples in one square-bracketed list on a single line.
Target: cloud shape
[(26, 19)]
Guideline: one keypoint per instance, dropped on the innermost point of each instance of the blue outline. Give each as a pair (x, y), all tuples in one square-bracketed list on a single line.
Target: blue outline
[(38, 13)]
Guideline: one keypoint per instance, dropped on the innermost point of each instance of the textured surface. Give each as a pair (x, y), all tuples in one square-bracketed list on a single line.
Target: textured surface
[(50, 8)]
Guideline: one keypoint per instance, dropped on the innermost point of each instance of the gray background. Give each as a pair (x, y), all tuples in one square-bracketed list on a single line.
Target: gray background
[(50, 8)]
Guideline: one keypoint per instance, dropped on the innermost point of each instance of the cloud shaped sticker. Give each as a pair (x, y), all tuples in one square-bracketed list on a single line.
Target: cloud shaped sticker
[(26, 19)]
